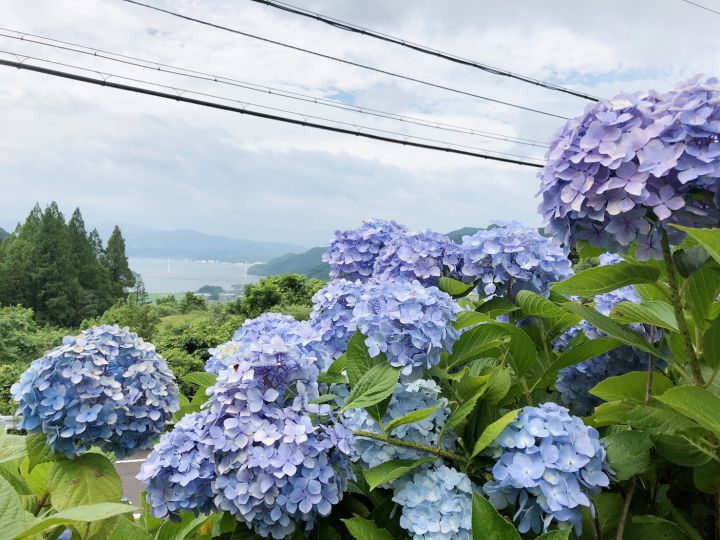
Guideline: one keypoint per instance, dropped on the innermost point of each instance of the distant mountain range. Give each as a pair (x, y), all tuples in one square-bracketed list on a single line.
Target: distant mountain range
[(310, 262), (189, 244)]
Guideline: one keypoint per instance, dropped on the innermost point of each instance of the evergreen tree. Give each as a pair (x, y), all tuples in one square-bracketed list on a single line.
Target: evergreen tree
[(116, 261)]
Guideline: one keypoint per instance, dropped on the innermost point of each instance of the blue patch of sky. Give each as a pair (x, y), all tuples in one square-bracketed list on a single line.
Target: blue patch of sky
[(345, 97), (593, 79)]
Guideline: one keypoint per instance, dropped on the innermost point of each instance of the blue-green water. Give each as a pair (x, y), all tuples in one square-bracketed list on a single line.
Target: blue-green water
[(176, 276)]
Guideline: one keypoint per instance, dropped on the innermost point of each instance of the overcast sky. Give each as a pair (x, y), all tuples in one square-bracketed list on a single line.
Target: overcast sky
[(159, 164)]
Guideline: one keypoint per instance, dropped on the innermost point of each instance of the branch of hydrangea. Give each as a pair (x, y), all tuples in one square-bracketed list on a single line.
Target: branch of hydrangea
[(625, 510), (677, 308), (398, 442), (42, 502)]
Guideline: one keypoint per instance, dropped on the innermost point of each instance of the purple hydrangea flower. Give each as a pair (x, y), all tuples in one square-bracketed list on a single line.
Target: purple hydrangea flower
[(333, 312), (408, 397), (549, 464), (351, 255), (436, 504), (632, 165), (105, 387), (423, 256), (410, 323), (512, 253)]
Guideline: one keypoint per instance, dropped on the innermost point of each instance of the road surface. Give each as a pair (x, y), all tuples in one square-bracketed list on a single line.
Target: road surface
[(127, 469)]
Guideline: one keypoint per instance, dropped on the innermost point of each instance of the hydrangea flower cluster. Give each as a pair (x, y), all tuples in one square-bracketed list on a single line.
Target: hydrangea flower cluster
[(550, 463), (180, 470), (436, 504), (351, 255), (633, 164), (423, 256), (408, 397), (272, 467), (105, 387), (512, 253), (408, 322), (261, 329), (333, 312)]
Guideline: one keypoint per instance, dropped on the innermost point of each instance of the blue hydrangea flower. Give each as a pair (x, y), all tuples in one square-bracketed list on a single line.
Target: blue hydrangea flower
[(333, 312), (410, 323), (633, 164), (351, 255), (436, 504), (408, 397), (180, 469), (105, 387), (512, 253), (277, 458), (549, 465), (261, 329), (423, 256)]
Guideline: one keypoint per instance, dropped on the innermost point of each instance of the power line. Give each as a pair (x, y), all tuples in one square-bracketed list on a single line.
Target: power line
[(239, 110), (701, 6), (348, 62), (350, 27), (184, 72), (105, 76)]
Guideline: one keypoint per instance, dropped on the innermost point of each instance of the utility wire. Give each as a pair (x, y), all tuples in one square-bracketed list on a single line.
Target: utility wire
[(240, 110), (701, 6), (350, 27), (348, 62), (180, 91), (174, 70)]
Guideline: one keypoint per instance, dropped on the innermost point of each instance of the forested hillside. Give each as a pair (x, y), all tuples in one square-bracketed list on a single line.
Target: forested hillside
[(60, 270)]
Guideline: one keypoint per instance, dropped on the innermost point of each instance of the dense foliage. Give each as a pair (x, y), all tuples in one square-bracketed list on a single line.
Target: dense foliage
[(422, 400)]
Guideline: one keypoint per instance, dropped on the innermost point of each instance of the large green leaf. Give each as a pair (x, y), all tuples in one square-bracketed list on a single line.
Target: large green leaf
[(711, 344), (365, 529), (358, 358), (630, 385), (412, 417), (455, 288), (707, 477), (562, 534), (488, 524), (470, 318), (373, 387), (462, 412), (678, 450), (87, 479), (12, 513), (655, 313), (697, 403), (520, 350), (539, 306), (392, 470), (201, 378), (492, 431), (707, 238), (653, 527), (38, 450), (602, 279), (37, 479), (700, 291), (12, 447), (628, 453), (475, 342), (79, 514), (126, 530), (496, 307), (585, 351)]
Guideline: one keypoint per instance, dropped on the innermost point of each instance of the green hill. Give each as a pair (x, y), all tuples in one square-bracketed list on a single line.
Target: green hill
[(3, 233), (310, 263)]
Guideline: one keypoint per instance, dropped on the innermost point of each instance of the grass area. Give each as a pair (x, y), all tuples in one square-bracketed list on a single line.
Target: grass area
[(155, 295), (172, 320)]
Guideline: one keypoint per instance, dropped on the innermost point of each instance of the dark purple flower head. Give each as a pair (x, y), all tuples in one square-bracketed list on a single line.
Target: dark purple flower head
[(636, 163)]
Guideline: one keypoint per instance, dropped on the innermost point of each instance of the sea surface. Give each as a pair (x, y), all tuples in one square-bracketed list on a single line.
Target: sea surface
[(180, 275)]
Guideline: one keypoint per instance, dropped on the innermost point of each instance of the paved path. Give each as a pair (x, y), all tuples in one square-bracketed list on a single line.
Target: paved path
[(127, 469)]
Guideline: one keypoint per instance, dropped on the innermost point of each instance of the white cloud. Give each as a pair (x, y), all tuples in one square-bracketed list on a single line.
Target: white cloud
[(159, 164)]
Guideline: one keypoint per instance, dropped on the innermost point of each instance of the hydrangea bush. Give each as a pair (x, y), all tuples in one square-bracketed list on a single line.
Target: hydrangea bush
[(422, 399)]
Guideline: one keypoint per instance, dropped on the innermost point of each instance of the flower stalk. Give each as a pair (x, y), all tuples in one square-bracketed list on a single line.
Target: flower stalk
[(407, 444)]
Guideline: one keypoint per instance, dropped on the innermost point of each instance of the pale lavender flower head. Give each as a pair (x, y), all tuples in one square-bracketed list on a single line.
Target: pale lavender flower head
[(333, 312), (512, 253), (105, 387), (423, 256), (629, 167), (548, 464), (351, 255)]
